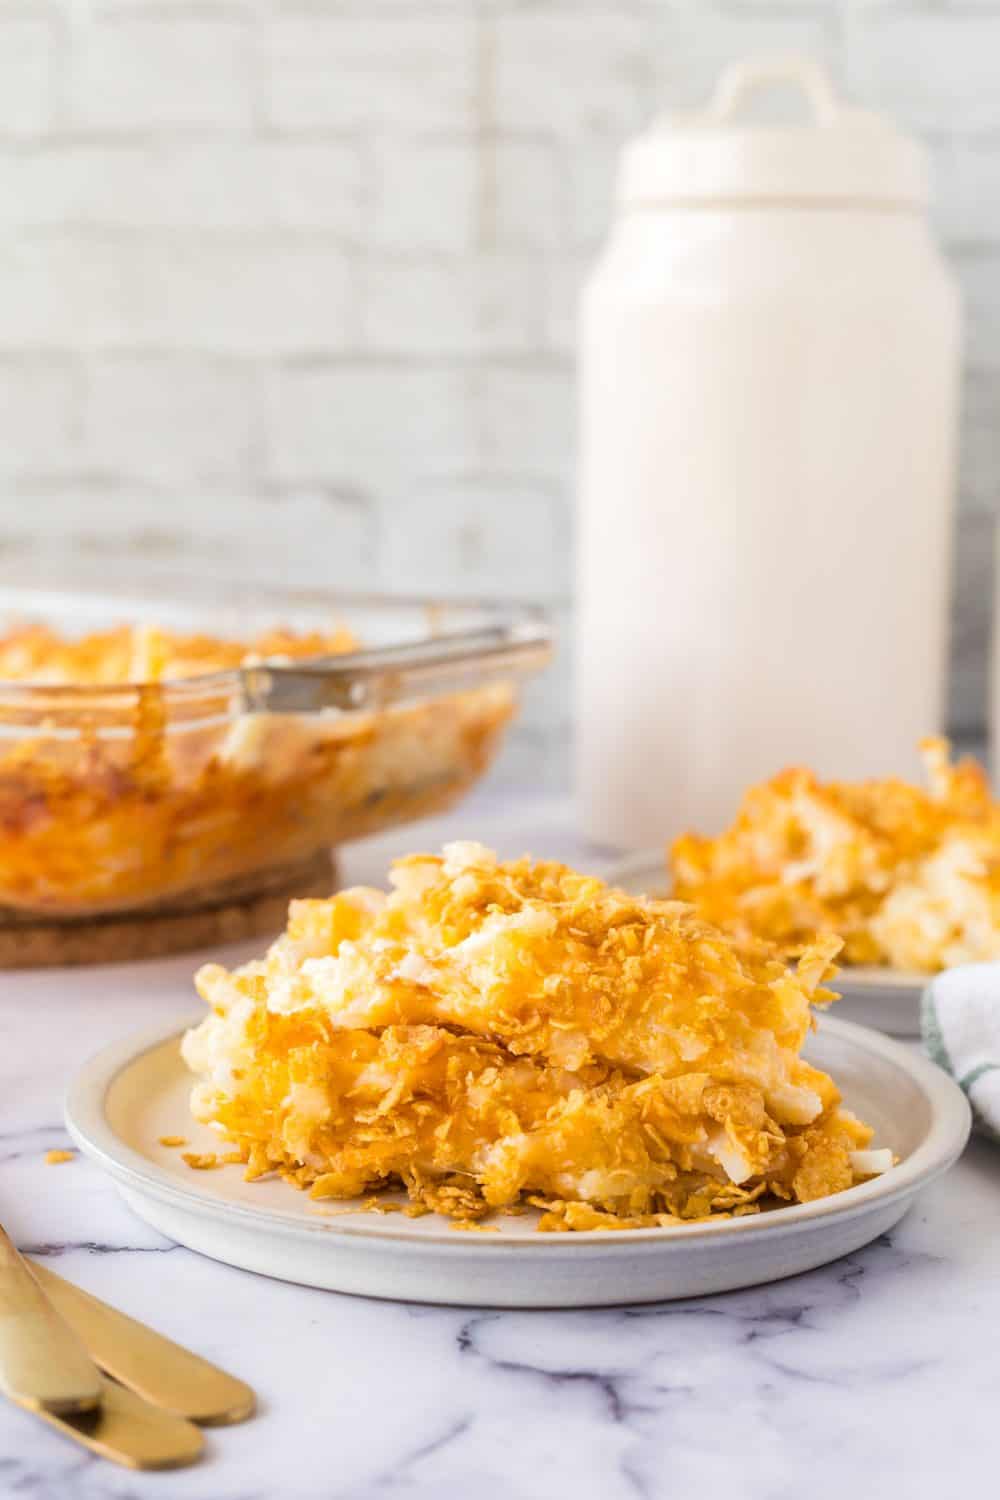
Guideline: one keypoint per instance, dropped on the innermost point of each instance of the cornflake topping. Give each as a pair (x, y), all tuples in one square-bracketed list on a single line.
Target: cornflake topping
[(904, 876), (491, 1034)]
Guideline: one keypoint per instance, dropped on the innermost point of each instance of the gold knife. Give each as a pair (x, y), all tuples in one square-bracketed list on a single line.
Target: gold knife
[(146, 1361), (43, 1365), (130, 1431)]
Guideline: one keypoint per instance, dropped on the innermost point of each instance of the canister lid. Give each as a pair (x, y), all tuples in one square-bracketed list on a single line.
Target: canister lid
[(838, 153)]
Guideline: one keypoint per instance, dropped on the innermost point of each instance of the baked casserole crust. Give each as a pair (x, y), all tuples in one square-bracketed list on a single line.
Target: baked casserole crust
[(489, 1034), (905, 876)]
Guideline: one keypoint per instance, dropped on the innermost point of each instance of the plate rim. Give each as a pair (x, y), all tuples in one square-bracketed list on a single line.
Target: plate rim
[(904, 982), (86, 1121)]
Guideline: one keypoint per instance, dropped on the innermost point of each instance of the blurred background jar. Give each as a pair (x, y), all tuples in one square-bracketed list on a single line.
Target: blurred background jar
[(769, 370)]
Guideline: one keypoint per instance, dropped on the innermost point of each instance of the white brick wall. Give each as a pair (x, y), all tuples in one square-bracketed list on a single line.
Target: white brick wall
[(378, 69), (287, 287), (570, 73), (246, 185), (937, 68), (170, 421), (40, 401), (26, 77), (159, 73), (425, 196), (349, 420)]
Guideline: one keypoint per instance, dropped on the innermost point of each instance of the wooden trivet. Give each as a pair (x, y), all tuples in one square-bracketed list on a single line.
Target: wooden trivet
[(226, 913)]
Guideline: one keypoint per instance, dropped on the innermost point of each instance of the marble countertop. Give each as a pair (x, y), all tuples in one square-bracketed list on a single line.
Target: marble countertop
[(876, 1375)]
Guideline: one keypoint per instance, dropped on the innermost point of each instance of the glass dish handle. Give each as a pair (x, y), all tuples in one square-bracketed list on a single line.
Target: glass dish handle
[(370, 680)]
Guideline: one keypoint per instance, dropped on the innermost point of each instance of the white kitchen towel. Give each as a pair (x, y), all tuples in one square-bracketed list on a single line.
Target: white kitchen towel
[(960, 1019)]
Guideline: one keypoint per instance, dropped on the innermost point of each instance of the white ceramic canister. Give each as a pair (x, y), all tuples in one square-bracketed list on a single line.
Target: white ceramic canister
[(769, 363), (994, 683)]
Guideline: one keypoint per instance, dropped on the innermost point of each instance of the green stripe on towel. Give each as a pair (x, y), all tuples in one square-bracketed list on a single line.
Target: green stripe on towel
[(930, 1025), (974, 1074)]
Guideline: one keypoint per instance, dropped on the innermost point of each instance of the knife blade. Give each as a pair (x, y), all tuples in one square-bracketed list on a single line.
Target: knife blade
[(146, 1361)]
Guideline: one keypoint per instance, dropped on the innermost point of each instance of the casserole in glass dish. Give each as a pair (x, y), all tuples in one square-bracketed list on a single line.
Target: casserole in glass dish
[(158, 754)]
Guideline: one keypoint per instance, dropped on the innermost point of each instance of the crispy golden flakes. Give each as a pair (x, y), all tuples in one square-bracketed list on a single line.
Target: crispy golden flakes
[(146, 653), (489, 1034), (905, 876)]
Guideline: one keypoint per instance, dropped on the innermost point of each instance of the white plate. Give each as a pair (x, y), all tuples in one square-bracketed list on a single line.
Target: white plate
[(133, 1093), (887, 999)]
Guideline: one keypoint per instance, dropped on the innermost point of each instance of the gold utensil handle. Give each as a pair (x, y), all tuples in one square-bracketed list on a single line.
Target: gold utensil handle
[(130, 1431), (144, 1360), (43, 1364)]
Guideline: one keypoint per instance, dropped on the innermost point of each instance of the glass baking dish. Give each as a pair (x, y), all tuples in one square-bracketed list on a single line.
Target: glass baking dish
[(140, 795)]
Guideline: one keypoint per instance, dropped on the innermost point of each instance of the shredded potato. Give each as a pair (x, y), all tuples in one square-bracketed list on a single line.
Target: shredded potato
[(904, 876), (490, 1034)]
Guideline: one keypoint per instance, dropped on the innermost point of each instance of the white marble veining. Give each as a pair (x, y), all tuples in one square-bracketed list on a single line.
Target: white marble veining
[(877, 1375)]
